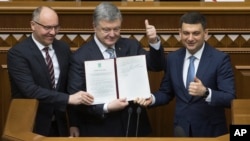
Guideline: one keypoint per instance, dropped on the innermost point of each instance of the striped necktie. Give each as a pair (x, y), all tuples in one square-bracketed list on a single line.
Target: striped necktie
[(50, 67), (111, 53)]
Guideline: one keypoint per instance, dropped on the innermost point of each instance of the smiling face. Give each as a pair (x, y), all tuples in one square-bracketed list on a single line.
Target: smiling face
[(45, 26), (192, 36), (108, 32)]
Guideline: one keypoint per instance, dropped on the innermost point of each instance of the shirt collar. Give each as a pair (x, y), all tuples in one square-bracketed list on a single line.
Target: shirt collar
[(100, 45), (39, 45), (197, 54)]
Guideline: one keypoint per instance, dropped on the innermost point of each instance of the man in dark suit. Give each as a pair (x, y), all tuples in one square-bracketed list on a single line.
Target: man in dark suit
[(200, 104), (30, 76), (110, 119)]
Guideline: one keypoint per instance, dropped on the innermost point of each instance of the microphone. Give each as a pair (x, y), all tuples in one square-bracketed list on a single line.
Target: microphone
[(130, 110), (138, 111), (179, 132)]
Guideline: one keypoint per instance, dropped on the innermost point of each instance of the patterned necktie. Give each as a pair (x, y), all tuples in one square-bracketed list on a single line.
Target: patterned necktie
[(191, 71), (50, 66), (111, 53)]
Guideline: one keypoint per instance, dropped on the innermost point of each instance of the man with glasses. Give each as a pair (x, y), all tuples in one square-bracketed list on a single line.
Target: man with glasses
[(118, 117), (38, 69)]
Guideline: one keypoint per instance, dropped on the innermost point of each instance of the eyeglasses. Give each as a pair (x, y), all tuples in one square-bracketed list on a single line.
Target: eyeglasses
[(48, 28), (108, 30)]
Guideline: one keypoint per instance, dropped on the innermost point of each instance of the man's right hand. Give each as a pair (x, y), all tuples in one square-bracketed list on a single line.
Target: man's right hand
[(143, 101), (81, 97), (117, 105)]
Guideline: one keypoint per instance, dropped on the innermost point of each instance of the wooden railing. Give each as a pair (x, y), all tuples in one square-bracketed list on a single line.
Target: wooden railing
[(241, 112), (20, 121)]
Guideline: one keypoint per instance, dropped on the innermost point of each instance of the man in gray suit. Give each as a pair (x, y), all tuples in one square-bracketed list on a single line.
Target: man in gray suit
[(31, 78)]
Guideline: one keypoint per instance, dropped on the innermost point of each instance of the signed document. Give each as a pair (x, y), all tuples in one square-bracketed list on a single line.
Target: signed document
[(124, 77)]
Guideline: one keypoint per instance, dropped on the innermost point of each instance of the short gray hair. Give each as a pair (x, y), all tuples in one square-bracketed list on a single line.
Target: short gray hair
[(106, 11)]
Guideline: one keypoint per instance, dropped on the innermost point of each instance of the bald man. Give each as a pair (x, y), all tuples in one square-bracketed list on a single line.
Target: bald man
[(31, 77)]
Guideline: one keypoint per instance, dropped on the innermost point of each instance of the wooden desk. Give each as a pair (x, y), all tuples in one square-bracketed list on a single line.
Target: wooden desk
[(21, 117), (4, 95), (241, 111)]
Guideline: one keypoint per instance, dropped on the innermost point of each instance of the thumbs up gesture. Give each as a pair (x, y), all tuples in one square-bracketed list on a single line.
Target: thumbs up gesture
[(196, 88), (151, 32)]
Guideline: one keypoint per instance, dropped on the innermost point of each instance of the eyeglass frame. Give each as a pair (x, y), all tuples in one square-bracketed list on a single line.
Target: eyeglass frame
[(108, 30), (48, 28)]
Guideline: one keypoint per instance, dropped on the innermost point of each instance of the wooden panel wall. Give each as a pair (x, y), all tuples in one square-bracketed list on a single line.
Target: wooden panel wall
[(229, 31)]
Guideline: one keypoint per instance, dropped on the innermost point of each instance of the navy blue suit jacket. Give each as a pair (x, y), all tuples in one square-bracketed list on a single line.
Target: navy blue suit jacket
[(91, 119), (30, 78), (215, 72)]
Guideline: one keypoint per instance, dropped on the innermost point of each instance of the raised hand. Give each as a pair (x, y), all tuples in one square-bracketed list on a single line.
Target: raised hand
[(196, 88), (151, 32)]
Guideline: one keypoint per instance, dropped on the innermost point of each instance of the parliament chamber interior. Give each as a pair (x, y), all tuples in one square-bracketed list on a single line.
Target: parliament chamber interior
[(229, 31)]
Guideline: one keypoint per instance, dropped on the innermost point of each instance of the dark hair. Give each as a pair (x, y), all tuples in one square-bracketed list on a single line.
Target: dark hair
[(193, 18)]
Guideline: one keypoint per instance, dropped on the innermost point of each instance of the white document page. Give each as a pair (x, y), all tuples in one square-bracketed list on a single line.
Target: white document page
[(132, 77), (100, 80)]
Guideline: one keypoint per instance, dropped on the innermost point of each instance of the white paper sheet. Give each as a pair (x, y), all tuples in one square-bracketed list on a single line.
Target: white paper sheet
[(132, 77)]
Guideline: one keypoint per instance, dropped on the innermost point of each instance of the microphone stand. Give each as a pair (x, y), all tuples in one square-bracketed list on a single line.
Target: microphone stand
[(138, 111), (130, 110)]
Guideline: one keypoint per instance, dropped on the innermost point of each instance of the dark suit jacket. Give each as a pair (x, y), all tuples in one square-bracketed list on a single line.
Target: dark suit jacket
[(215, 72), (90, 119), (29, 78)]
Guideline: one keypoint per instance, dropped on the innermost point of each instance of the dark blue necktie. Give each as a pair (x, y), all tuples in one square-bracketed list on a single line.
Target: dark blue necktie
[(191, 71)]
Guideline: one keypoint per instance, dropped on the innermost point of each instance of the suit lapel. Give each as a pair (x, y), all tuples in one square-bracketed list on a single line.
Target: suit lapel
[(179, 67), (120, 49), (95, 53), (36, 53), (204, 64), (180, 63)]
